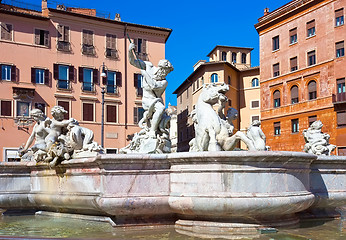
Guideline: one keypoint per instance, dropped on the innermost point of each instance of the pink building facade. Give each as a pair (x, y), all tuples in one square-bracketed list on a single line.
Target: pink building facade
[(56, 57)]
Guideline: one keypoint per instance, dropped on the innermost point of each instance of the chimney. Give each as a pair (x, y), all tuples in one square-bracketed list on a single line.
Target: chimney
[(117, 17), (45, 10), (266, 11)]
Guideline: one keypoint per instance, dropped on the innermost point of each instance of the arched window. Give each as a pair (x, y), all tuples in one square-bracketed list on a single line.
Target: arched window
[(243, 58), (276, 97), (312, 90), (223, 56), (255, 82), (234, 57), (214, 78), (294, 94)]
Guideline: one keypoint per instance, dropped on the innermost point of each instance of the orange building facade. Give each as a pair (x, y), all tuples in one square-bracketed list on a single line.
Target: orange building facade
[(302, 69), (66, 57)]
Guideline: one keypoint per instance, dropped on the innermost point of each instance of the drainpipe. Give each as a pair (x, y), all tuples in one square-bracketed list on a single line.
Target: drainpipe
[(125, 47)]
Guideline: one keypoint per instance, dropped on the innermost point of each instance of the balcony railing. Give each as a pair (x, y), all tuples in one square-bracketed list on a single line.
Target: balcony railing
[(88, 50), (63, 85), (88, 87), (339, 97), (111, 53), (111, 89), (63, 46)]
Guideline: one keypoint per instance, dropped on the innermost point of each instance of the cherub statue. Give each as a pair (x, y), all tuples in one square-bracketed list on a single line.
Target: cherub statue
[(256, 135)]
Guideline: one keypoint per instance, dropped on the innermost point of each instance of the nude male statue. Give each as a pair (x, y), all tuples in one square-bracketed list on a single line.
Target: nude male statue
[(154, 85)]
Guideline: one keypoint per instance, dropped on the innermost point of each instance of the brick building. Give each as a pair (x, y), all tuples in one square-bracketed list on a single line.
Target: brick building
[(230, 65), (302, 66), (65, 56)]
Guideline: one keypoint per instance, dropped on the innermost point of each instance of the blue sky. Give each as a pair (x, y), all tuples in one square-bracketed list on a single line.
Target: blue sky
[(198, 26)]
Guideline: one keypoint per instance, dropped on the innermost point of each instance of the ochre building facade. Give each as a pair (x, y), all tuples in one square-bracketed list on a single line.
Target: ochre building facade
[(66, 57), (302, 66)]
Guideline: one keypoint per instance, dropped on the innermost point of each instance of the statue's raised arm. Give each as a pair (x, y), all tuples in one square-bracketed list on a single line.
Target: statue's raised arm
[(133, 60)]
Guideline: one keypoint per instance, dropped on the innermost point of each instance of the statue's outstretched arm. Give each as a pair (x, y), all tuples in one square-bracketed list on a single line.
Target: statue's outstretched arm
[(133, 61)]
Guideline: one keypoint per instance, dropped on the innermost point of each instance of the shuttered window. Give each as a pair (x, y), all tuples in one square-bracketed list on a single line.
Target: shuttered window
[(340, 50), (41, 37), (312, 119), (137, 114), (311, 58), (138, 78), (310, 28), (339, 17), (294, 64), (8, 72), (6, 31), (243, 58), (293, 36), (111, 111), (276, 41), (66, 106), (277, 128), (110, 41), (63, 33), (294, 94), (88, 37), (312, 90), (254, 104), (295, 125), (234, 57), (223, 56), (40, 76), (276, 97), (253, 118), (340, 83), (276, 69), (88, 112), (6, 108), (341, 118)]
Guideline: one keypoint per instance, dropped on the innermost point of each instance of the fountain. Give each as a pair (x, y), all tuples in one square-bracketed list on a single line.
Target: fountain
[(208, 192)]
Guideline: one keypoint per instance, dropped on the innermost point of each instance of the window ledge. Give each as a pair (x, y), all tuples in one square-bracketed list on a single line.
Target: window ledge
[(276, 50), (339, 26), (292, 44), (310, 37)]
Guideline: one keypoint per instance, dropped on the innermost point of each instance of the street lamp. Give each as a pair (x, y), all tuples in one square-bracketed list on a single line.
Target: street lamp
[(103, 75)]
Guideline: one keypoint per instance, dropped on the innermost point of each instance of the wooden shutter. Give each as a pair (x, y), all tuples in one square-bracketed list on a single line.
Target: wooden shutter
[(13, 73), (46, 77), (85, 37), (3, 30), (310, 54), (6, 31), (276, 67), (135, 115), (144, 46), (118, 77), (111, 113), (66, 34), (37, 36), (60, 30), (113, 42), (135, 41), (254, 104), (276, 124), (46, 38), (66, 106), (341, 118), (71, 73), (310, 24), (56, 71), (276, 94), (339, 13), (312, 86), (312, 119), (294, 62), (90, 38), (293, 32), (33, 75), (88, 112), (339, 45), (95, 76), (340, 80), (108, 41), (0, 72), (294, 92), (135, 80), (80, 74), (6, 107)]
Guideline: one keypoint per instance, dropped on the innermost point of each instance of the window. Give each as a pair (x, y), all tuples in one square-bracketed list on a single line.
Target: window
[(187, 92), (6, 108), (64, 74), (202, 80), (138, 80), (197, 82), (294, 94), (253, 118), (11, 155), (214, 78), (8, 72), (41, 37), (340, 83), (88, 112), (141, 48), (41, 106), (293, 36), (137, 114), (310, 29), (111, 46), (63, 43), (276, 70), (276, 45), (229, 80), (111, 150), (312, 119), (276, 97), (194, 86), (181, 98), (243, 58), (277, 128), (112, 81), (66, 106), (6, 31), (341, 118), (340, 51), (294, 64), (39, 76), (111, 111), (255, 104), (234, 57), (255, 82), (295, 125), (89, 77), (23, 108), (223, 56), (88, 43), (312, 90), (339, 17), (311, 58)]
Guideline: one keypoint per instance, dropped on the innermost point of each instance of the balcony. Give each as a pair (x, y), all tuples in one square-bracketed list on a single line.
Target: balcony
[(88, 87), (63, 46), (63, 85), (339, 98), (111, 53), (88, 50)]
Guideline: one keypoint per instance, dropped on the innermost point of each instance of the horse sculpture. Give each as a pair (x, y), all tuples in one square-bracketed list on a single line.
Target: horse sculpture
[(214, 130)]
